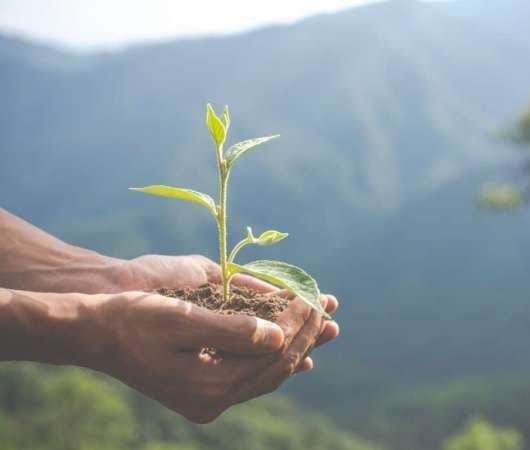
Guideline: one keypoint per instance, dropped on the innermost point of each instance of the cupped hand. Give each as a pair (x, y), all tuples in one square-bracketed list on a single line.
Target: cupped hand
[(158, 349), (155, 271)]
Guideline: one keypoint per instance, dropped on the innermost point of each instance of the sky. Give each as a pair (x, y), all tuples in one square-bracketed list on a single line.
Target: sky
[(90, 24)]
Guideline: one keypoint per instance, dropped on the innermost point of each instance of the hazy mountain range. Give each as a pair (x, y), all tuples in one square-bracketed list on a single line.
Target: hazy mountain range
[(387, 114)]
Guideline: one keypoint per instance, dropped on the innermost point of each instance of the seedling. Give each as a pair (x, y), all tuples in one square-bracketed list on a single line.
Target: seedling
[(287, 276)]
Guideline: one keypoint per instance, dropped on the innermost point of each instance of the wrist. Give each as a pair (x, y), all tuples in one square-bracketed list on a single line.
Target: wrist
[(89, 330), (32, 260), (134, 276), (68, 269), (91, 273), (63, 329)]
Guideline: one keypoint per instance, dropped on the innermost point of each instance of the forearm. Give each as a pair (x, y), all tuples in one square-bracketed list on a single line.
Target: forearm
[(51, 328), (33, 260)]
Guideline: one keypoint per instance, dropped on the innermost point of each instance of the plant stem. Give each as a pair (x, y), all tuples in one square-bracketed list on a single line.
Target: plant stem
[(221, 222), (236, 249)]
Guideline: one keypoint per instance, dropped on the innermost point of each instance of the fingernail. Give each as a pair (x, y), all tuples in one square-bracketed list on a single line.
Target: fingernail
[(306, 366), (333, 303)]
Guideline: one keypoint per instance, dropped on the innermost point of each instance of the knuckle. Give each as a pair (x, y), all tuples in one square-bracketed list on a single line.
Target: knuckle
[(308, 311), (210, 267), (289, 364), (204, 259), (256, 334)]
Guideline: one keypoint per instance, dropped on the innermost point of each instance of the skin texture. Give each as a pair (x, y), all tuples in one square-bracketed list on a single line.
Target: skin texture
[(111, 323)]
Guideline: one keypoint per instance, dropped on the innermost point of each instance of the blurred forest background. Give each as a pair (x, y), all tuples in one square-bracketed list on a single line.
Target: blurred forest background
[(390, 116)]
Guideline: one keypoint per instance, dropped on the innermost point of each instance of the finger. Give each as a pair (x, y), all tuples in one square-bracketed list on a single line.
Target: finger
[(271, 378), (305, 366), (300, 347), (293, 318), (330, 332), (284, 293), (324, 301), (291, 321), (333, 304), (232, 333)]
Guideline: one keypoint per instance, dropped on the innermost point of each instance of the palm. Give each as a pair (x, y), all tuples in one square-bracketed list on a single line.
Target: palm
[(191, 271)]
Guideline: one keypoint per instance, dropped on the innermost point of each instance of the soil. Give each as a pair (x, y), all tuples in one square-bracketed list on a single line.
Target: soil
[(242, 300)]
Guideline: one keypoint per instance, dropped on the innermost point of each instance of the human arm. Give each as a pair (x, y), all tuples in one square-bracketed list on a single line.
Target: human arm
[(33, 260), (154, 344)]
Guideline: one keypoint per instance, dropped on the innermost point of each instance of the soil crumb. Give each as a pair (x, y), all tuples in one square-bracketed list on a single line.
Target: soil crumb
[(242, 300)]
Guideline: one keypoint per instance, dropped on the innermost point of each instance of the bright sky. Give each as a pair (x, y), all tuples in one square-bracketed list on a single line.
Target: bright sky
[(111, 23)]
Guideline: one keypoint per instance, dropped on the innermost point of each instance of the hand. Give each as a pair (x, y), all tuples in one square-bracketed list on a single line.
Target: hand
[(329, 331), (151, 272), (155, 344), (158, 342)]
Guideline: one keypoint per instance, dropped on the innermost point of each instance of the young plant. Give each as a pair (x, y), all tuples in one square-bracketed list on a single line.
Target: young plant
[(287, 276)]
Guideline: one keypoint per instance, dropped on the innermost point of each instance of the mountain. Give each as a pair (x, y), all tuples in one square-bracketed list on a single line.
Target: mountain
[(377, 92), (387, 114)]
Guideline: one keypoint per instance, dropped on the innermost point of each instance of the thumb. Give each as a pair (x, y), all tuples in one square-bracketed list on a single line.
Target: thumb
[(236, 333)]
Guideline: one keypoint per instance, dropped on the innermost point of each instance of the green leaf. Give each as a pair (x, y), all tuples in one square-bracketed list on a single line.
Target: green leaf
[(215, 126), (287, 276), (250, 235), (501, 196), (180, 193), (270, 237), (226, 117), (236, 150)]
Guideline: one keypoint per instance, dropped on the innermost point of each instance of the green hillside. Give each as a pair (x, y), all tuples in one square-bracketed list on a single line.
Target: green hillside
[(387, 115), (71, 409)]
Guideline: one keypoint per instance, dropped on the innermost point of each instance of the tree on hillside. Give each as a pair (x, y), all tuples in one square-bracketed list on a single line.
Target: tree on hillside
[(479, 434), (522, 133), (509, 195)]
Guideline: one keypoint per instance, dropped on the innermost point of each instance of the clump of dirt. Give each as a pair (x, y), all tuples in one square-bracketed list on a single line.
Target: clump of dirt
[(242, 300)]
